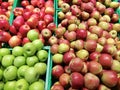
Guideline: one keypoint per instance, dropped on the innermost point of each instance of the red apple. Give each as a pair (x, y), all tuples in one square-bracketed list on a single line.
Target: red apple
[(24, 30), (57, 87), (46, 33), (54, 48), (4, 36), (57, 71), (70, 35), (13, 29), (41, 3), (94, 56), (14, 41), (94, 67), (26, 15), (25, 40), (109, 78), (4, 25), (18, 21), (48, 18), (64, 79), (76, 65), (76, 80), (105, 60), (24, 3), (53, 40), (81, 33), (18, 11), (90, 45), (32, 22), (68, 56), (91, 81)]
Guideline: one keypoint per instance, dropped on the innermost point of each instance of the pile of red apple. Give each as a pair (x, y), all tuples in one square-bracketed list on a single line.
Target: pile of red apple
[(86, 51), (32, 15)]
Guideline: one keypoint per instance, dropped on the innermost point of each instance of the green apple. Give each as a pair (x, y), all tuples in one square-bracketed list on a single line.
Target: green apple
[(4, 51), (32, 35), (31, 75), (37, 86), (63, 48), (2, 85), (1, 74), (40, 68), (57, 58), (10, 85), (21, 71), (17, 51), (29, 49), (19, 61), (38, 44), (7, 60), (10, 73), (22, 84), (41, 81), (31, 61), (42, 55)]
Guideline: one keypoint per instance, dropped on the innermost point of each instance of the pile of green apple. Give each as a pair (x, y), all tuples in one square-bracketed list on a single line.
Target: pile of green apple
[(23, 67)]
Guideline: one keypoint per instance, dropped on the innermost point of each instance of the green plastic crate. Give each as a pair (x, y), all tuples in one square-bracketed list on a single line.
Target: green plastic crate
[(49, 67)]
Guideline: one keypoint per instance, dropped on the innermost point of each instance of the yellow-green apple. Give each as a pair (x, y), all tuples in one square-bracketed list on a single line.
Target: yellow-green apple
[(102, 40), (61, 15), (91, 22), (79, 44), (95, 14), (82, 54), (115, 66), (65, 7), (62, 48), (113, 33), (85, 15), (92, 36), (99, 47), (57, 58)]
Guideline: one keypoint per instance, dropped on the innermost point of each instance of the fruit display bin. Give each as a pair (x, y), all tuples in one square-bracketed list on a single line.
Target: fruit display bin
[(57, 21), (48, 76)]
